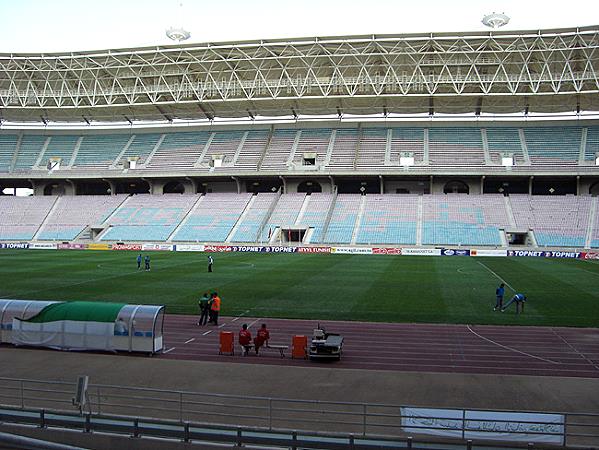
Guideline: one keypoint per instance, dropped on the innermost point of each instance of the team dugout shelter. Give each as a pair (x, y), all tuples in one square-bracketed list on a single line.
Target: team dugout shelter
[(81, 325)]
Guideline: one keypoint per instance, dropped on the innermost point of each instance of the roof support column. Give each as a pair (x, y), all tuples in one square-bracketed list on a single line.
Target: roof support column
[(530, 184), (194, 184), (238, 184), (284, 186)]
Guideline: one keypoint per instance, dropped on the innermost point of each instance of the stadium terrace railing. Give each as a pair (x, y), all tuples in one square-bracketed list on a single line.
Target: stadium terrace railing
[(187, 415)]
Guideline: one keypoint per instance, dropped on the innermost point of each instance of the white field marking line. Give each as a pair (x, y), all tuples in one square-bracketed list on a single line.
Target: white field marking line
[(250, 324), (90, 280), (79, 283), (575, 350), (509, 348), (497, 276), (169, 350), (240, 316), (588, 271), (189, 340), (207, 332)]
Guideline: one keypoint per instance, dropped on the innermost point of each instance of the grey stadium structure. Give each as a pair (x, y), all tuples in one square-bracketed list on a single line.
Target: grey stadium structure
[(475, 141), (355, 119)]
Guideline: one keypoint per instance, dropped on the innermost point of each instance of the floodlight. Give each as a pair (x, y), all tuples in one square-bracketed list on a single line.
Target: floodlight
[(495, 20)]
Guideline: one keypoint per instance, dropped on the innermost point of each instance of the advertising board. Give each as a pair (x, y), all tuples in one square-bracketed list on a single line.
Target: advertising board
[(133, 247), (157, 247), (352, 250), (16, 245), (386, 251), (487, 252), (189, 248), (455, 252), (314, 249), (421, 251)]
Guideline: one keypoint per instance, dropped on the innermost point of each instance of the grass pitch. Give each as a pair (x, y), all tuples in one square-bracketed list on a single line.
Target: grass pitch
[(311, 286)]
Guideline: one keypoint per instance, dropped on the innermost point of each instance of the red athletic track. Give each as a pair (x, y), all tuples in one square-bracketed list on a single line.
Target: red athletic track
[(539, 351)]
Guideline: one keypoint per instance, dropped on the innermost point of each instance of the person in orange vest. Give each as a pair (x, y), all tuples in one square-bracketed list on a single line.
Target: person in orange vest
[(215, 308), (245, 339)]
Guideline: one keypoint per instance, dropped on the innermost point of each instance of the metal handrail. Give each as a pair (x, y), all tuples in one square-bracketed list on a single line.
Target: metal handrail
[(362, 419), (194, 431)]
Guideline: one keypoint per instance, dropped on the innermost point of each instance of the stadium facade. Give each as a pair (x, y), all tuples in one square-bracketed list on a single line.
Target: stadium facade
[(498, 112)]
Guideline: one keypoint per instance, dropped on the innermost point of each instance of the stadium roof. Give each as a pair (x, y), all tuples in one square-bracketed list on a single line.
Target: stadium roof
[(494, 72)]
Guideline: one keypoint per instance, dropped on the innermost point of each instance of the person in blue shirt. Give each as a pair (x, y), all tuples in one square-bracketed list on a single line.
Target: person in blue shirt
[(519, 299), (139, 262), (147, 261), (499, 293)]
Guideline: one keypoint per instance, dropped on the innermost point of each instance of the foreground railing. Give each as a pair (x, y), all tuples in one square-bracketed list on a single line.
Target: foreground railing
[(265, 414)]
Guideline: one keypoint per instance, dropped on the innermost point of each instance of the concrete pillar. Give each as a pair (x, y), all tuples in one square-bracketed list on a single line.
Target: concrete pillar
[(284, 184), (530, 185)]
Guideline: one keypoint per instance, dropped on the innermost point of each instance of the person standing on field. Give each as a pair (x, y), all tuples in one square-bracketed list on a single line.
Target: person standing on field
[(139, 262), (210, 262), (215, 308), (204, 304), (499, 293)]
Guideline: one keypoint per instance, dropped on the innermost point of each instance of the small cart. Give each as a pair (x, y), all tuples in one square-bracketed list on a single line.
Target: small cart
[(325, 345)]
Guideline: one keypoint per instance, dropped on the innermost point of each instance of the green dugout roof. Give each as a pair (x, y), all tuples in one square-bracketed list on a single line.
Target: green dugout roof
[(79, 311)]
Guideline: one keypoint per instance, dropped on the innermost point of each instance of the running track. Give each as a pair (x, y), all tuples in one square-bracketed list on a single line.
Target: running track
[(480, 349)]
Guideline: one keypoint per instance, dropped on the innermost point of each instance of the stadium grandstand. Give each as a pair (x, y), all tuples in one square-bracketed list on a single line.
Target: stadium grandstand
[(419, 143), (409, 122), (418, 135)]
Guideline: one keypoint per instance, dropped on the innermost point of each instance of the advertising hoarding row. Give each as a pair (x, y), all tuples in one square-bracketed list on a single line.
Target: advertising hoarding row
[(349, 250)]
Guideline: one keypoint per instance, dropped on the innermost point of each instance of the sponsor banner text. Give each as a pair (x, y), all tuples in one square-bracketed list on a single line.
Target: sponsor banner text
[(421, 251), (485, 425), (157, 247), (189, 248), (16, 245), (72, 246), (352, 250), (135, 247), (314, 249), (487, 252), (544, 254), (455, 252), (386, 251)]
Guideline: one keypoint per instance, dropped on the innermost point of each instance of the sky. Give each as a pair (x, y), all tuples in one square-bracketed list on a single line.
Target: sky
[(37, 26)]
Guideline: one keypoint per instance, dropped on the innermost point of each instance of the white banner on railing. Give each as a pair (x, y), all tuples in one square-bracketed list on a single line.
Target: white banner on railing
[(485, 425), (421, 251), (189, 247), (43, 246), (157, 247)]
